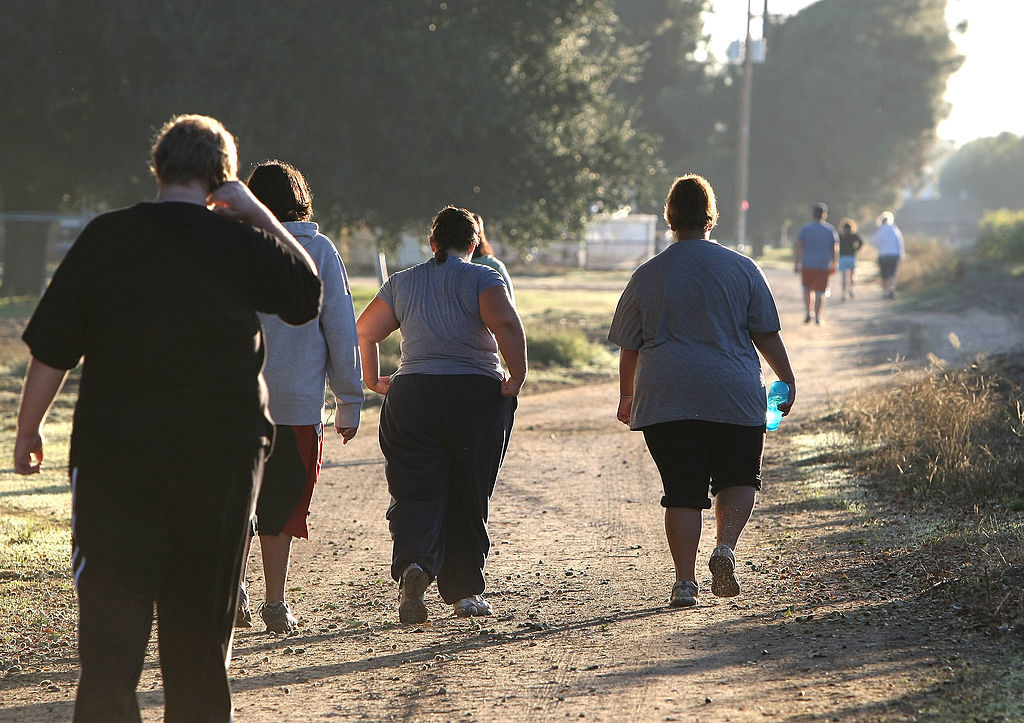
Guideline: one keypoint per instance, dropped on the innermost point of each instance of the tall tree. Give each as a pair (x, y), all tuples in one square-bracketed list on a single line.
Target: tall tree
[(669, 82), (846, 106), (393, 108), (508, 112), (989, 171)]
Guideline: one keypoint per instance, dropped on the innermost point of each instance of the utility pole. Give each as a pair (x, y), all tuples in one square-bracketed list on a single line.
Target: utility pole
[(743, 151)]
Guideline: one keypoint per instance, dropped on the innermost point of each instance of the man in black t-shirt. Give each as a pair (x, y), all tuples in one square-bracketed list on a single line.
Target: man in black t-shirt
[(170, 428)]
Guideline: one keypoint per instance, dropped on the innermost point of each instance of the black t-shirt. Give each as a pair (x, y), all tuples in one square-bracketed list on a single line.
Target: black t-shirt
[(849, 243), (160, 299)]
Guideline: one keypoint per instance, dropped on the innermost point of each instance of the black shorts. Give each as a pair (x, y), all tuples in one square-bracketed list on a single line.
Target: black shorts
[(887, 266), (693, 455)]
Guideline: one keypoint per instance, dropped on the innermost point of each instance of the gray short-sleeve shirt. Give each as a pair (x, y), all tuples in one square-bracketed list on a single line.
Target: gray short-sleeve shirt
[(690, 311), (438, 312)]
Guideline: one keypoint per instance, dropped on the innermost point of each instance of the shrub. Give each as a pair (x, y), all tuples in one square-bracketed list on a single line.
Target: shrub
[(1001, 236), (948, 436), (565, 348), (930, 264)]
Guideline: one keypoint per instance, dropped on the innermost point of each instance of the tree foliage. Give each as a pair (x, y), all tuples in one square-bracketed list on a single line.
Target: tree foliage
[(669, 82), (392, 108), (532, 113), (987, 170), (845, 107)]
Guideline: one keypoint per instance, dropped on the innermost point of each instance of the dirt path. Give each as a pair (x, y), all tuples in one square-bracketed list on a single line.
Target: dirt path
[(580, 574)]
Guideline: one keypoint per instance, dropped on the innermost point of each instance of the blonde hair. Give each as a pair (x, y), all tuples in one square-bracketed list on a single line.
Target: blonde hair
[(194, 148), (884, 217)]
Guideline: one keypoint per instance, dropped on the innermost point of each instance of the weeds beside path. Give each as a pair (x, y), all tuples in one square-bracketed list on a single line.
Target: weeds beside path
[(832, 623)]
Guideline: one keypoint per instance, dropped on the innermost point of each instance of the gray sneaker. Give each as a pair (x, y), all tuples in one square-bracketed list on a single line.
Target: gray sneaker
[(469, 607), (684, 594), (723, 572), (278, 617), (411, 607), (243, 613)]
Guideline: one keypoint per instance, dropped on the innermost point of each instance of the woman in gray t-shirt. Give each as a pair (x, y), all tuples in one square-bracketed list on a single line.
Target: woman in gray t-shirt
[(447, 414), (689, 325)]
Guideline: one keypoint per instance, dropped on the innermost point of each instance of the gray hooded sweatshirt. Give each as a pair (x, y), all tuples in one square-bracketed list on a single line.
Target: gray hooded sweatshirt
[(301, 360)]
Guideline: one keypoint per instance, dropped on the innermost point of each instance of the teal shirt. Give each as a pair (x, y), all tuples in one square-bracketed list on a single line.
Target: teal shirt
[(495, 263)]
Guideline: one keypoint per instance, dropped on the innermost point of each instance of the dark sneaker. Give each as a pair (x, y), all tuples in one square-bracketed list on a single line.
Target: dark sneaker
[(278, 617), (243, 613), (723, 572), (469, 607), (411, 607), (684, 594)]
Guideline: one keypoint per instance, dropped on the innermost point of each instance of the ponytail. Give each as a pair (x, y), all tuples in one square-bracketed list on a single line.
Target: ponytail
[(453, 229)]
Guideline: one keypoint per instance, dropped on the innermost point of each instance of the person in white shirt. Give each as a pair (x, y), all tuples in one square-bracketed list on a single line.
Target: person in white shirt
[(889, 242)]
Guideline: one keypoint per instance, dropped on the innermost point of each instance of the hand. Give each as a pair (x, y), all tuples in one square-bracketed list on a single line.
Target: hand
[(788, 404), (511, 388), (347, 433), (234, 200), (796, 267), (625, 411), (28, 453), (380, 386)]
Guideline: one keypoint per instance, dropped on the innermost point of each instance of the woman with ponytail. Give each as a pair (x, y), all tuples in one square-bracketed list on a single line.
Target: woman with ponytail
[(447, 414)]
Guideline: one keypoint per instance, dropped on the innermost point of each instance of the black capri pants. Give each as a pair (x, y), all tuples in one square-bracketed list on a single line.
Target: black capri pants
[(693, 455), (444, 439)]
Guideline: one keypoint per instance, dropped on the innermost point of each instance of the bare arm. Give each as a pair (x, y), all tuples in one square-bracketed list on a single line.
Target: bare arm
[(627, 376), (235, 200), (773, 349), (42, 382), (798, 255), (500, 317), (375, 324)]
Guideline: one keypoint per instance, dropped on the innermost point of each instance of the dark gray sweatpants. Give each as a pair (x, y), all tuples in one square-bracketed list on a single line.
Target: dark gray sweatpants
[(444, 439), (167, 530)]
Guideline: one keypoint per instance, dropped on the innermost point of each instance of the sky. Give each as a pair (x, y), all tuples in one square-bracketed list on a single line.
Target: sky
[(988, 47)]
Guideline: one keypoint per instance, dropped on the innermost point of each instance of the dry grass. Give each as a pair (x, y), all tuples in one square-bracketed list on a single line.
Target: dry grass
[(947, 448), (952, 437)]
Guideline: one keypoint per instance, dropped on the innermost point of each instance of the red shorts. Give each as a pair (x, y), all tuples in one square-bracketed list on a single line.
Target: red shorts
[(815, 279), (289, 477)]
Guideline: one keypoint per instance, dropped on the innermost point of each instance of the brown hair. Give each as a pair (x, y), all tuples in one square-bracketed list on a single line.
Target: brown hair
[(282, 189), (194, 148), (453, 229), (691, 204), (484, 247)]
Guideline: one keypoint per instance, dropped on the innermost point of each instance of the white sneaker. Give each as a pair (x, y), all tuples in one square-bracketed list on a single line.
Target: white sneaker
[(472, 606)]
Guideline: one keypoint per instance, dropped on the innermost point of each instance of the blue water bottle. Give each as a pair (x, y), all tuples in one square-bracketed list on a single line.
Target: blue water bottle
[(778, 393)]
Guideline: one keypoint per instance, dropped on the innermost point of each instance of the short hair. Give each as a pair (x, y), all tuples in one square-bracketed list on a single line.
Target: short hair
[(484, 247), (820, 211), (691, 204), (884, 217), (453, 229), (194, 148), (848, 223), (282, 189)]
